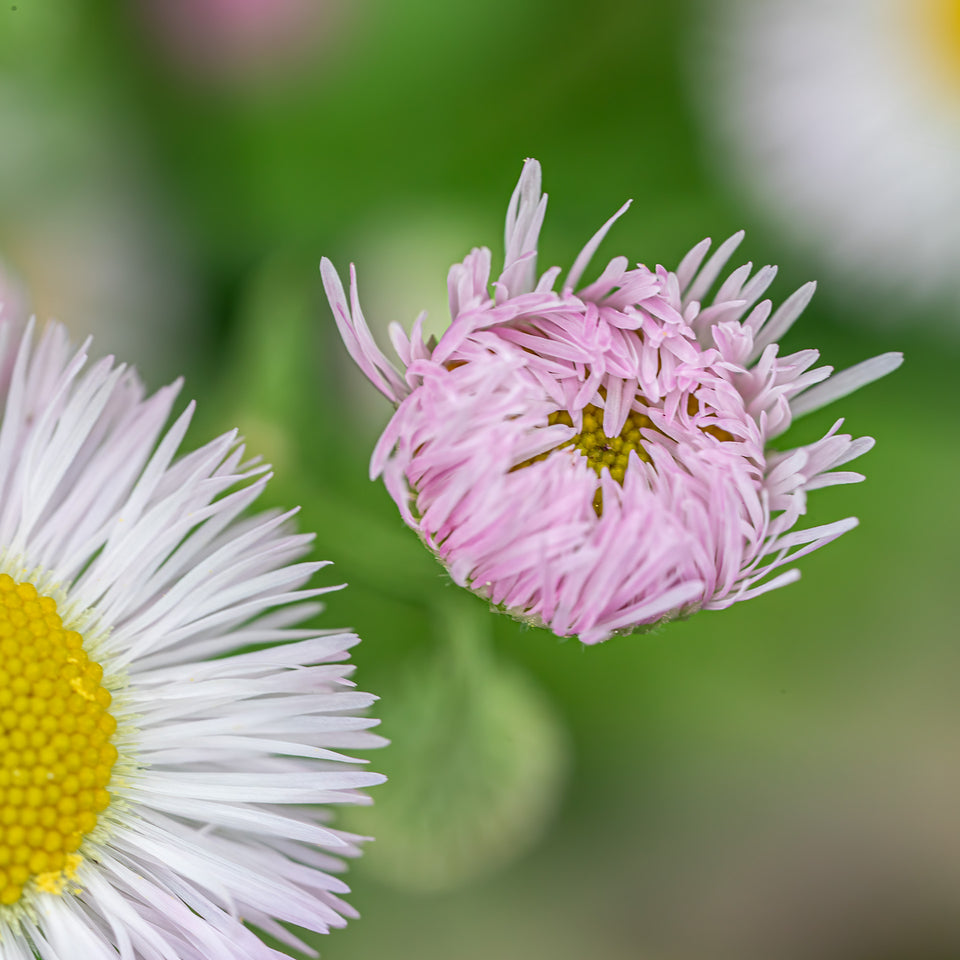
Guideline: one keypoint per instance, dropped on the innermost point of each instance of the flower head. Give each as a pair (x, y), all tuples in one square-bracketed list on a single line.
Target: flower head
[(596, 459), (165, 727)]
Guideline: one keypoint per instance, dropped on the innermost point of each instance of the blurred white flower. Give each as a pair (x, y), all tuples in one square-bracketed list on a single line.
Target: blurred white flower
[(843, 119)]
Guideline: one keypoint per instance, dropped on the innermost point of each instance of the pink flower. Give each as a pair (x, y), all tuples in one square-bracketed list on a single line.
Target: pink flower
[(232, 39), (596, 460)]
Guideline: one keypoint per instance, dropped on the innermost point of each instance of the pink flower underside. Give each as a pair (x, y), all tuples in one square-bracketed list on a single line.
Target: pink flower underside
[(702, 525)]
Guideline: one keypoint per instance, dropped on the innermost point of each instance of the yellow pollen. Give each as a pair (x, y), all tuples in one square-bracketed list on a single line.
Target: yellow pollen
[(599, 449), (614, 452), (56, 757)]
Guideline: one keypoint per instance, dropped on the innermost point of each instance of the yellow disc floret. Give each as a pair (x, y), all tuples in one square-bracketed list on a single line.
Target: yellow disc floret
[(613, 453), (56, 755), (599, 449)]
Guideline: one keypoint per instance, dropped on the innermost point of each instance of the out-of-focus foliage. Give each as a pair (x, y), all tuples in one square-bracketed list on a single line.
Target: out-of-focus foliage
[(477, 764), (778, 780)]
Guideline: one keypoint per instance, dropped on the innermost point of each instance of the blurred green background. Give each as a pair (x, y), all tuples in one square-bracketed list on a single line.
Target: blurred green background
[(779, 780)]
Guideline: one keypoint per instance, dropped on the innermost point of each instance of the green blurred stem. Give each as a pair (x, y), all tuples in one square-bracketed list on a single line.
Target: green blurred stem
[(463, 629)]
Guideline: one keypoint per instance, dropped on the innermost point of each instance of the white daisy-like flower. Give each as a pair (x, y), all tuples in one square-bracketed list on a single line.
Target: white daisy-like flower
[(167, 732), (843, 118)]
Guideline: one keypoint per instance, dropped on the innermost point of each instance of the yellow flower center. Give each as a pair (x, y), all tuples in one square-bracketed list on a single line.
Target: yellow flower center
[(56, 757), (613, 452), (599, 449)]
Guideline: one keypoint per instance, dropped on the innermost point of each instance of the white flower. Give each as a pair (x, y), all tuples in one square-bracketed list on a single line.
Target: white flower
[(843, 118), (166, 732)]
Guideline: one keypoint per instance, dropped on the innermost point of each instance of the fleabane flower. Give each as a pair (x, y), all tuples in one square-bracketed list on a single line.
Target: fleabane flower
[(596, 459), (167, 732)]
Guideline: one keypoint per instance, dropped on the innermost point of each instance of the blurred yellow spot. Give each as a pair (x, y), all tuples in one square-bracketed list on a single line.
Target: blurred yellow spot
[(937, 22), (56, 757)]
